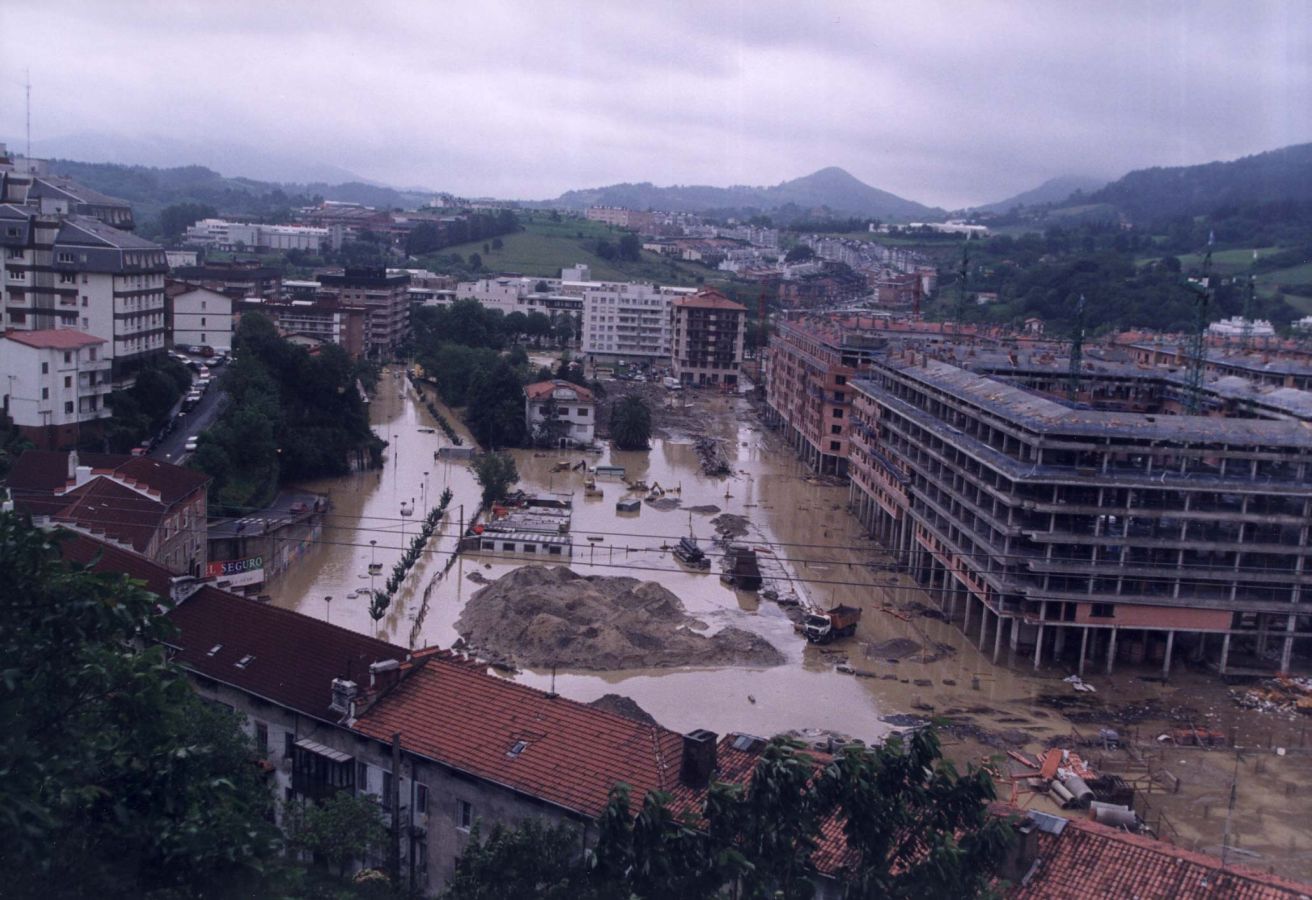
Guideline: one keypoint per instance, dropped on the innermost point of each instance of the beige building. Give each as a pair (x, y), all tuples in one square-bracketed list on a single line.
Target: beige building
[(707, 331)]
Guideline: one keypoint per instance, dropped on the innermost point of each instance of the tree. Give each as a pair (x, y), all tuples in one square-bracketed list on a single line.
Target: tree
[(533, 860), (176, 219), (496, 475), (800, 253), (118, 780), (515, 325), (630, 423), (475, 262), (340, 830), (495, 408), (497, 243), (606, 250), (538, 326), (630, 247)]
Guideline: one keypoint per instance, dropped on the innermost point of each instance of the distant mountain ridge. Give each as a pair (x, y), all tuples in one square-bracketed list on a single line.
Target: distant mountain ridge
[(1054, 190), (1277, 177), (831, 187)]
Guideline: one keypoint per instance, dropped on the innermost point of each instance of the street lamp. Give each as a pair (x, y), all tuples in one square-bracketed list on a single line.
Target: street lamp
[(425, 493), (373, 544), (327, 609)]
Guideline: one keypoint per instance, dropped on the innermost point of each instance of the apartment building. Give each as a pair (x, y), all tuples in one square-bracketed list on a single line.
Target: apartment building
[(143, 505), (809, 366), (708, 331), (326, 320), (1110, 529), (383, 294), (226, 235), (625, 321), (238, 279), (198, 317), (560, 413), (620, 217), (55, 384)]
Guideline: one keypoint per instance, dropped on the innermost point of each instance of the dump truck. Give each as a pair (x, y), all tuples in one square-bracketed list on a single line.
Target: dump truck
[(691, 555), (822, 626), (741, 569)]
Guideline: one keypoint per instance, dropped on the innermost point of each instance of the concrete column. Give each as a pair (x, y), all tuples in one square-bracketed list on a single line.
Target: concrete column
[(1166, 660), (1225, 653), (1111, 650), (983, 623), (965, 626), (1038, 646), (1287, 651), (1014, 638), (997, 638), (1084, 646)]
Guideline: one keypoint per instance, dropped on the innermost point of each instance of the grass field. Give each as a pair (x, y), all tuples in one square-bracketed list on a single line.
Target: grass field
[(544, 247)]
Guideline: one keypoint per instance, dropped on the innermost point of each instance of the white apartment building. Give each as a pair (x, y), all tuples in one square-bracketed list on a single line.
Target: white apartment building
[(625, 320), (225, 235), (54, 381), (202, 318)]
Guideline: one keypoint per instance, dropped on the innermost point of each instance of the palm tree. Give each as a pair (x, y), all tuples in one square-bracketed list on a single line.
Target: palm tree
[(630, 424)]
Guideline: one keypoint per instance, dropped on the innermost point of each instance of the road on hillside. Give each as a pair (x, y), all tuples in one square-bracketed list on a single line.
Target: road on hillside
[(186, 425)]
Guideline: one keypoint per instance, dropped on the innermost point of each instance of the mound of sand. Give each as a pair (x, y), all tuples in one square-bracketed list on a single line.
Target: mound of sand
[(624, 706), (538, 616)]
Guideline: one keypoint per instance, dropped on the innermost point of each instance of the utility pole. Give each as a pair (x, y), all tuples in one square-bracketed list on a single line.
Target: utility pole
[(28, 86), (1077, 352), (1230, 811), (1193, 399), (1250, 310)]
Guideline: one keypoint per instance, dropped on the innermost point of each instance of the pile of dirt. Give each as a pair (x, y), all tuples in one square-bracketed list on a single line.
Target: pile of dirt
[(664, 504), (894, 648), (538, 616), (708, 509), (729, 526), (624, 706)]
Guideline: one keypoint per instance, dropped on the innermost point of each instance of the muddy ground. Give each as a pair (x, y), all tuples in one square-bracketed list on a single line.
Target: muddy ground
[(542, 616)]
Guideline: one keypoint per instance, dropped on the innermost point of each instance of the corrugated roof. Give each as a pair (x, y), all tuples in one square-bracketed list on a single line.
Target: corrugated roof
[(574, 753)]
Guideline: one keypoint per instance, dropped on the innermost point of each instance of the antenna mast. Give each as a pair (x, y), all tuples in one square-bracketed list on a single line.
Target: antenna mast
[(1077, 351), (1250, 304), (1197, 341), (28, 86)]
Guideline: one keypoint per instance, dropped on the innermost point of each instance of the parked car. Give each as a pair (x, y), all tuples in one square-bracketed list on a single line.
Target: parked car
[(190, 445)]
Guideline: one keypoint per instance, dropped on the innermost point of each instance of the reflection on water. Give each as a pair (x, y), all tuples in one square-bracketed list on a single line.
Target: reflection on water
[(790, 515)]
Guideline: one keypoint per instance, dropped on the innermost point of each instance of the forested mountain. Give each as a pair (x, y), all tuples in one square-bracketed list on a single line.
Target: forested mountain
[(1054, 190), (150, 190), (832, 188), (1277, 182)]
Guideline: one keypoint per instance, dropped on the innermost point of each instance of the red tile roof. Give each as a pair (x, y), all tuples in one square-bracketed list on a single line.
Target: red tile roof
[(104, 506), (542, 390), (708, 298), (103, 557), (294, 658), (55, 339), (573, 754), (1093, 861)]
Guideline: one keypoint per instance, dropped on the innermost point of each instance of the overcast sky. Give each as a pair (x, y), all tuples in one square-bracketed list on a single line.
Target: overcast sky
[(947, 103)]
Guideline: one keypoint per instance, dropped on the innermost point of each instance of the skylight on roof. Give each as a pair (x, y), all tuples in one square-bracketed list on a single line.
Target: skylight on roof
[(244, 661), (215, 649), (520, 747)]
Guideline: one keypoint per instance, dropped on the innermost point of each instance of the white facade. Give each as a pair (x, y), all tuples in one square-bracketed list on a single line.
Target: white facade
[(227, 235), (625, 319), (564, 403), (1234, 327), (52, 379), (202, 317)]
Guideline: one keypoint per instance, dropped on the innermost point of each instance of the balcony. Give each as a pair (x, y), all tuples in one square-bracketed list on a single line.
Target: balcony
[(320, 772)]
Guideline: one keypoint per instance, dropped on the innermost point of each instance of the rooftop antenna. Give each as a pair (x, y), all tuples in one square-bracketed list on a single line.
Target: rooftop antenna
[(28, 86), (1193, 399), (1077, 351)]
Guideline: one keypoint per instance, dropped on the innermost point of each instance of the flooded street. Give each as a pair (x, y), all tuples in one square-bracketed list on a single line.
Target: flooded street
[(810, 545)]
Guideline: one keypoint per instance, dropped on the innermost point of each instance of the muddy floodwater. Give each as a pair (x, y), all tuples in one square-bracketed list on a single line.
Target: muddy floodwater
[(810, 546)]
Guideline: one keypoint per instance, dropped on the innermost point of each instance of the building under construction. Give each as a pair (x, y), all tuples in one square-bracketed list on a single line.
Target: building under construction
[(1101, 527)]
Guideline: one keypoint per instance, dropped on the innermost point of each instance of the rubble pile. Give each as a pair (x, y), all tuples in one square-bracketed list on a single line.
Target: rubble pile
[(711, 453), (1283, 694), (729, 526), (538, 616)]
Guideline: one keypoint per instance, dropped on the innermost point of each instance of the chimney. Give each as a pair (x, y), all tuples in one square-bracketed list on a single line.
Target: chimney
[(72, 464), (82, 474), (384, 674), (698, 764), (344, 693), (1022, 856)]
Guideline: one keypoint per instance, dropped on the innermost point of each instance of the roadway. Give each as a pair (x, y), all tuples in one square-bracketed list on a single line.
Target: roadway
[(186, 425)]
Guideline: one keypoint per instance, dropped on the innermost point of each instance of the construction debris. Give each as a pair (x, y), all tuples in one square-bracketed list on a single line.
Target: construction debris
[(1283, 694), (713, 459)]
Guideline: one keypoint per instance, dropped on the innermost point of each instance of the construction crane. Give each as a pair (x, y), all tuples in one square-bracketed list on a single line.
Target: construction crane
[(961, 283), (1193, 386), (1077, 352), (1250, 310)]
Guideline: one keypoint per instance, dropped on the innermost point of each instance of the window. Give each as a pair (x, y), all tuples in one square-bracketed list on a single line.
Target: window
[(68, 407), (91, 354), (288, 742), (202, 321), (464, 815), (68, 381), (838, 414), (421, 798), (1103, 611), (583, 412), (45, 393), (840, 379), (387, 791), (835, 429), (261, 738), (68, 357), (542, 410), (362, 777), (84, 299), (45, 368), (835, 446)]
